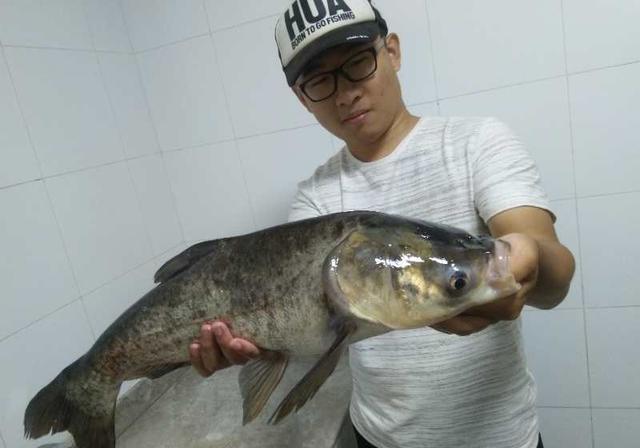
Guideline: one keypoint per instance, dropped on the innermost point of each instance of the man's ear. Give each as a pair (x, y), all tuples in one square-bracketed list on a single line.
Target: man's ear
[(301, 97), (393, 49)]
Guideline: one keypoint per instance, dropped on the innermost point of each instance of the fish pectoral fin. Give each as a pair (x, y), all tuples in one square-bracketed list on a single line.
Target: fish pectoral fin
[(157, 371), (258, 379), (307, 387)]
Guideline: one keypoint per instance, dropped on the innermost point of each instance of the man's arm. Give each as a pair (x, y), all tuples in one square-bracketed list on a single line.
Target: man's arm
[(555, 263)]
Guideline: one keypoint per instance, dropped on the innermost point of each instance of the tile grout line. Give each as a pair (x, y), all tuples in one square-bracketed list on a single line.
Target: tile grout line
[(89, 292), (577, 217), (502, 86), (39, 319), (155, 154), (79, 170), (206, 15), (159, 151), (241, 24), (433, 59), (123, 16), (602, 195), (52, 209), (612, 307), (103, 80), (145, 223), (603, 67), (168, 44), (22, 114), (123, 149), (216, 60), (79, 50)]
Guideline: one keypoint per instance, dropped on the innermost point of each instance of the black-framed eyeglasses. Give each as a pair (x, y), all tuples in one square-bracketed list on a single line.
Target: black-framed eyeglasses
[(358, 67)]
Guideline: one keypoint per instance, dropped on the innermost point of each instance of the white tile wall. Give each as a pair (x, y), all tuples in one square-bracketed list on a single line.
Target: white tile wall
[(605, 106), (183, 88), (210, 191), (156, 202), (617, 427), (51, 23), (425, 110), (567, 230), (66, 108), (108, 28), (539, 115), (225, 13), (409, 20), (158, 22), (599, 33), (254, 82), (101, 222), (556, 352), (613, 362), (566, 428), (49, 345), (17, 158), (34, 270), (273, 165), (482, 44), (608, 228), (123, 84)]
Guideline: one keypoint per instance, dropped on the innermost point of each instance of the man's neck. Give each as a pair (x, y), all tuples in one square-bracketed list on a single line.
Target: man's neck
[(387, 142)]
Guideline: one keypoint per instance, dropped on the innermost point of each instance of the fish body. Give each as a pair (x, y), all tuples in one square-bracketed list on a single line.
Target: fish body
[(306, 288)]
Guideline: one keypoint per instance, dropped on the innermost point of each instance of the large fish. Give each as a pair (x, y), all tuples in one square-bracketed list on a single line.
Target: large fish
[(306, 288)]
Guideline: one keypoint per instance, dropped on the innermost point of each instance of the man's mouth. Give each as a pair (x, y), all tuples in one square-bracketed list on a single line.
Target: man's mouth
[(355, 117)]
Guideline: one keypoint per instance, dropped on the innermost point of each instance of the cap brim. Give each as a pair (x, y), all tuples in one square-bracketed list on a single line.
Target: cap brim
[(356, 33)]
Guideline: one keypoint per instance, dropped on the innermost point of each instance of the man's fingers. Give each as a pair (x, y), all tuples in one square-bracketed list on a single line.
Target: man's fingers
[(463, 325), (245, 348), (216, 349), (506, 308), (231, 348), (196, 360), (210, 355)]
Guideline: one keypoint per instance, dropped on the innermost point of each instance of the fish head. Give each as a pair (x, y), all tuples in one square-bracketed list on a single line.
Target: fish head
[(416, 275)]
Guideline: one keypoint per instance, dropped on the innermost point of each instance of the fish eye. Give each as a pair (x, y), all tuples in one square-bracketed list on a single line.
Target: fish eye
[(458, 280)]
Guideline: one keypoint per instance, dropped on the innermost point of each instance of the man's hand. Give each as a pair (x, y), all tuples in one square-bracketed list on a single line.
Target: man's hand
[(523, 264), (217, 349), (539, 262)]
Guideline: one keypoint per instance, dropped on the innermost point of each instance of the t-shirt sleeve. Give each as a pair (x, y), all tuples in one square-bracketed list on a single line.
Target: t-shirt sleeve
[(504, 174), (303, 205)]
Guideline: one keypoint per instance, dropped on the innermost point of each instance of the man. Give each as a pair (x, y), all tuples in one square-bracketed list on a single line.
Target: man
[(428, 387)]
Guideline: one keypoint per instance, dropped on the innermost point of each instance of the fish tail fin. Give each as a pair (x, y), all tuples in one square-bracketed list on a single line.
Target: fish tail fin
[(54, 409)]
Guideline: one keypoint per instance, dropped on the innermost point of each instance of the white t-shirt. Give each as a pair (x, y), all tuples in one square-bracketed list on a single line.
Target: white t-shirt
[(423, 388)]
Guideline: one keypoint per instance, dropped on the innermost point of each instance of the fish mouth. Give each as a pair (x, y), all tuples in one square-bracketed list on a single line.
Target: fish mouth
[(499, 277)]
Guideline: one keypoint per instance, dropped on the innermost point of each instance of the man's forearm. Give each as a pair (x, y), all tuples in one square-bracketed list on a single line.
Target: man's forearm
[(555, 271)]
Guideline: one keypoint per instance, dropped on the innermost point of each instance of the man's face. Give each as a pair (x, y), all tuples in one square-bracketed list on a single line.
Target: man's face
[(359, 111)]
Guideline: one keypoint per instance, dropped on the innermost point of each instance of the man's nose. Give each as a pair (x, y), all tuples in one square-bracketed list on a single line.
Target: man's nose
[(347, 92)]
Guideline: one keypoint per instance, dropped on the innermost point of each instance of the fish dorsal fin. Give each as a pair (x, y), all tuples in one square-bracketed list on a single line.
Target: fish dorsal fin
[(311, 382), (258, 379), (184, 260)]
